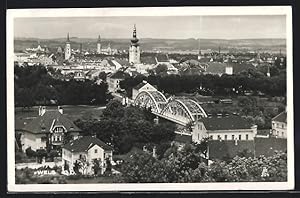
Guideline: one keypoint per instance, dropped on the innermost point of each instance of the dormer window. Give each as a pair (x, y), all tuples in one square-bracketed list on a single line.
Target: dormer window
[(58, 130)]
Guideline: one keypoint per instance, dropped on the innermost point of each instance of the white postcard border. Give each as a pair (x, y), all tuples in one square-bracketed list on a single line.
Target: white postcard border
[(148, 11)]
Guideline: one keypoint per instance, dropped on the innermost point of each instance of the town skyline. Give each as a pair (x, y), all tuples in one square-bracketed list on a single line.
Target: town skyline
[(158, 27)]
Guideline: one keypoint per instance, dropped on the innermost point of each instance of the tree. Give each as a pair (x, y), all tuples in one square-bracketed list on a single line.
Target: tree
[(30, 153), (114, 109), (108, 166), (97, 166), (40, 154), (161, 69), (52, 154)]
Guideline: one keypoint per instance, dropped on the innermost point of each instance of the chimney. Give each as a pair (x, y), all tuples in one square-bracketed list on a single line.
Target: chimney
[(60, 109)]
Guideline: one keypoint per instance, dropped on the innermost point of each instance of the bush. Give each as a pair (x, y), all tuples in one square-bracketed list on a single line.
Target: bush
[(30, 153), (52, 154)]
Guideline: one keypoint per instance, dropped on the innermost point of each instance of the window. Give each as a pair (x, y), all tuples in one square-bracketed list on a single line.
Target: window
[(225, 137), (232, 137), (247, 136), (211, 137), (219, 137), (198, 136), (282, 125), (96, 151), (282, 134), (240, 137)]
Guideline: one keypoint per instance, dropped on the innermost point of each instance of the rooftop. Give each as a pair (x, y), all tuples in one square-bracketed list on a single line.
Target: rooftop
[(280, 117), (42, 124), (85, 143), (225, 123)]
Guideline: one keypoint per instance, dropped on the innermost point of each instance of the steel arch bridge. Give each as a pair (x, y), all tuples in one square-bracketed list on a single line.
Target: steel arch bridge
[(151, 99), (179, 110)]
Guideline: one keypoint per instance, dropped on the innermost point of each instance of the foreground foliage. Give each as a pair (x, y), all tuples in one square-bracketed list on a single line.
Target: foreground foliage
[(189, 166), (124, 127)]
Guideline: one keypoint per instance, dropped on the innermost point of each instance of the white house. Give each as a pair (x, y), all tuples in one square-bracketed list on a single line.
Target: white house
[(86, 149), (224, 128), (279, 125), (48, 130)]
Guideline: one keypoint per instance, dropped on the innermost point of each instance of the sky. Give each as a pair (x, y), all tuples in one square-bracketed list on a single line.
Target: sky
[(169, 27)]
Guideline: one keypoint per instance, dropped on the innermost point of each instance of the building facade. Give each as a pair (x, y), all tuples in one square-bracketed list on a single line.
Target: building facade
[(86, 149), (226, 128), (279, 125), (134, 49), (114, 80)]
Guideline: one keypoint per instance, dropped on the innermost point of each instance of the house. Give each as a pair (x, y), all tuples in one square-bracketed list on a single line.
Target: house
[(48, 131), (86, 149), (224, 128), (228, 136), (114, 80), (143, 86), (279, 125)]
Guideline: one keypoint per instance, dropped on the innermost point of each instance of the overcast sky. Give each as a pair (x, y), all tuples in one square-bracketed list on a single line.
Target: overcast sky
[(214, 27)]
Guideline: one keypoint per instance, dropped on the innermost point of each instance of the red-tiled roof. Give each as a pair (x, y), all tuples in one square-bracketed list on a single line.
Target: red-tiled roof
[(85, 143), (226, 123), (42, 124), (280, 117)]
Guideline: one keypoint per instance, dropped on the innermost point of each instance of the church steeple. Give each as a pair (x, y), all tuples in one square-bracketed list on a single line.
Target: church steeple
[(99, 45), (199, 50), (134, 49), (134, 40), (68, 38), (68, 48)]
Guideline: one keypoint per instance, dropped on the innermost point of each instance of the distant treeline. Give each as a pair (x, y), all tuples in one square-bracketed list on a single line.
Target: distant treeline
[(250, 81), (35, 86)]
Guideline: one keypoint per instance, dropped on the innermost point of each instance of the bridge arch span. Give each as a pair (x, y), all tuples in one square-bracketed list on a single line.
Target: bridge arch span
[(183, 111), (151, 99)]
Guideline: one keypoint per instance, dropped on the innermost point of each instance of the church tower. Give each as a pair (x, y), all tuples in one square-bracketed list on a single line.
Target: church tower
[(134, 49), (68, 48), (199, 52), (99, 45)]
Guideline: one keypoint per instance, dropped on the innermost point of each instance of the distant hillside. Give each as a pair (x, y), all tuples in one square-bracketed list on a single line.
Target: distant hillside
[(158, 44)]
